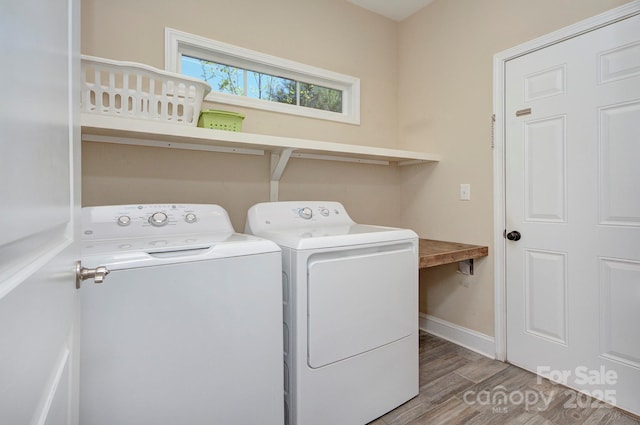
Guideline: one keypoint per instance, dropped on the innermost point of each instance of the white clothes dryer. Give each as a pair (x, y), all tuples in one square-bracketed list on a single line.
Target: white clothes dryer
[(187, 326), (350, 312)]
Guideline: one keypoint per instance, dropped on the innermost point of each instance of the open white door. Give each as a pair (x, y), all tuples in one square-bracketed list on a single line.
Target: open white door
[(39, 203), (572, 132)]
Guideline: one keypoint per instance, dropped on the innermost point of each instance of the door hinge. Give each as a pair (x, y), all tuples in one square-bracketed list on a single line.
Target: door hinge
[(493, 130)]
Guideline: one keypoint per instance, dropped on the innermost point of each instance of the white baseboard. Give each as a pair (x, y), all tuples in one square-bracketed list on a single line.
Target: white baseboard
[(467, 338)]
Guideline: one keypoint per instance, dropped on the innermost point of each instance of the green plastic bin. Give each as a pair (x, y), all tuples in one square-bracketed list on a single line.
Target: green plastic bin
[(220, 120)]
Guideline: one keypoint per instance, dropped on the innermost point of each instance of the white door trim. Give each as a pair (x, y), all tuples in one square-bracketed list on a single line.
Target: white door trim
[(499, 220)]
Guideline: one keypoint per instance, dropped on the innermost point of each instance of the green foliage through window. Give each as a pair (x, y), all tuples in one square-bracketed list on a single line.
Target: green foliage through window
[(258, 85), (318, 97)]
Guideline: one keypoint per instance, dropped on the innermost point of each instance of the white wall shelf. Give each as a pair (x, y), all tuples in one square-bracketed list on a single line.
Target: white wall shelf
[(106, 129)]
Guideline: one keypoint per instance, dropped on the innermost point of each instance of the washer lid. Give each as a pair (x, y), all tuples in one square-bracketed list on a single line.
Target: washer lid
[(153, 251), (334, 236)]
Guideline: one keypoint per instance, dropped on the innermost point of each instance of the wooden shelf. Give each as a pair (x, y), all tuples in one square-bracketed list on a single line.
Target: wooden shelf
[(102, 128), (435, 253)]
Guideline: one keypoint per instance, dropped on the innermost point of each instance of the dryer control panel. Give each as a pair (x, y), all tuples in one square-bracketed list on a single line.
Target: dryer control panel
[(269, 216), (131, 221)]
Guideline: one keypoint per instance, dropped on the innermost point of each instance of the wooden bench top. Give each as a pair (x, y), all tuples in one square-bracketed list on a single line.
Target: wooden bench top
[(435, 253)]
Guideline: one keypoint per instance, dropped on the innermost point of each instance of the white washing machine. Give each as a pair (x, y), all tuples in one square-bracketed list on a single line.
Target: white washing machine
[(350, 312), (187, 326)]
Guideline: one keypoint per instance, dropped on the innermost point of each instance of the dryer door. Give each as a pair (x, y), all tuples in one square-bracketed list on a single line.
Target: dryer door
[(360, 299)]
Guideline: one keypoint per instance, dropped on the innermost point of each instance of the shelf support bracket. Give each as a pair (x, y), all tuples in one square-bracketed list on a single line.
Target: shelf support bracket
[(466, 267), (278, 164)]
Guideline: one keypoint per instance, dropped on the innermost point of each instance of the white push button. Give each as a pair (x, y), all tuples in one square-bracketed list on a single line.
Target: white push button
[(124, 220)]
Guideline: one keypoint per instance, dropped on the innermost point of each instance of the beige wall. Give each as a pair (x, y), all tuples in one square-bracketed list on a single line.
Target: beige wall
[(117, 174), (330, 34), (426, 85), (445, 58)]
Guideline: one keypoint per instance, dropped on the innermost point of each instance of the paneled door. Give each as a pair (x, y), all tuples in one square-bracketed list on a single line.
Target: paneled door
[(572, 155), (39, 165)]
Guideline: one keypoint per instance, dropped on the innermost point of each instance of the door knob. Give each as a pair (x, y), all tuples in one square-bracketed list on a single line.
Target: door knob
[(82, 273), (514, 235)]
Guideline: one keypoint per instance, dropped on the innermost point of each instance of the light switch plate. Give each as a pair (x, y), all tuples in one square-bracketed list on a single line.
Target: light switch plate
[(465, 192)]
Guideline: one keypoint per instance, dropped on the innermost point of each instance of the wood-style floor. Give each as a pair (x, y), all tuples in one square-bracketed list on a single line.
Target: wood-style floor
[(458, 386)]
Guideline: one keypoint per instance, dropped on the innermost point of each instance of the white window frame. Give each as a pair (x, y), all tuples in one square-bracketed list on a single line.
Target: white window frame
[(178, 43)]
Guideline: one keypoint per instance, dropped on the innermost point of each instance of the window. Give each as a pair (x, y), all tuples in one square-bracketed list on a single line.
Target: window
[(246, 78)]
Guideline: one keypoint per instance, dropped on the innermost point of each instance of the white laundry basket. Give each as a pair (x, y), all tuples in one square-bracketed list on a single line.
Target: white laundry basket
[(134, 90)]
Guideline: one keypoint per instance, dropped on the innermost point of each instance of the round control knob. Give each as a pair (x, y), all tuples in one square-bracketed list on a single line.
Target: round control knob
[(190, 218), (324, 212), (158, 219), (124, 220), (305, 213)]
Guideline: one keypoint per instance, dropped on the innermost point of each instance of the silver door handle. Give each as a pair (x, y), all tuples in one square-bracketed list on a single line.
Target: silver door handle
[(82, 273)]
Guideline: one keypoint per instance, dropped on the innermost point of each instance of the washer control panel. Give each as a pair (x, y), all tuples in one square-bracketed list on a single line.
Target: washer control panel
[(119, 221)]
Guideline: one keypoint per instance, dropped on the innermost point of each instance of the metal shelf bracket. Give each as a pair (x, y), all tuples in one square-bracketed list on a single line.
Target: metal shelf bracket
[(466, 267)]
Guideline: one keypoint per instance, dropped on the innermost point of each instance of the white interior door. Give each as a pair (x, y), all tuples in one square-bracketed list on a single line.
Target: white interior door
[(572, 174), (39, 165)]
